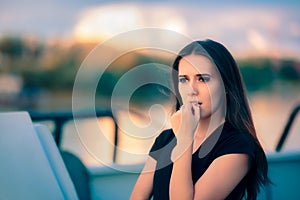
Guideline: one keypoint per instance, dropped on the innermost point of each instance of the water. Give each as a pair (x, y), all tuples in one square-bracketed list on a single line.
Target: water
[(271, 113), (93, 140)]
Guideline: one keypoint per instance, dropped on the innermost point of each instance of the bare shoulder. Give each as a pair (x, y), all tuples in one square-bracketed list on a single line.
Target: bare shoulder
[(223, 175)]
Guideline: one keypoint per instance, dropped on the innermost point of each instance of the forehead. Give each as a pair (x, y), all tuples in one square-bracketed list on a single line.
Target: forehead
[(196, 64)]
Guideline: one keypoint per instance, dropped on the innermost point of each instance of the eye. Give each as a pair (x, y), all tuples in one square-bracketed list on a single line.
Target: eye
[(204, 78), (182, 80)]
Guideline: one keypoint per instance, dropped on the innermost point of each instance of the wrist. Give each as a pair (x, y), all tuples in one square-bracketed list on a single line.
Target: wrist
[(183, 146), (184, 135)]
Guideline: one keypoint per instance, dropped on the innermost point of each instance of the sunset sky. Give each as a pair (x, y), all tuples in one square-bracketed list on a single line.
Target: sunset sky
[(262, 28)]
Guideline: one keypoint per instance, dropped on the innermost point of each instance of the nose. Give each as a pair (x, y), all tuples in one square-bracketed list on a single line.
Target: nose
[(193, 88)]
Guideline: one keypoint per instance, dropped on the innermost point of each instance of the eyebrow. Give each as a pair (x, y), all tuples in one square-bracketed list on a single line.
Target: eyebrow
[(199, 75)]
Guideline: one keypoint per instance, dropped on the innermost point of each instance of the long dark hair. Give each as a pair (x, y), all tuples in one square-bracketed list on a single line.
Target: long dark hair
[(238, 113)]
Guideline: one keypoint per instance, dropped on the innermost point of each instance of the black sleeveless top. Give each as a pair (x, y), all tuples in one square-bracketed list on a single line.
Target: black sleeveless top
[(224, 140)]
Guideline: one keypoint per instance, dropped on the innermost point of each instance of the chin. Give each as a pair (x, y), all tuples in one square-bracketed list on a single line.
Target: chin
[(205, 116)]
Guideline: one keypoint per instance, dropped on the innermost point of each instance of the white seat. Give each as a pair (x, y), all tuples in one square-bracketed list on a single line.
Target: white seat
[(31, 166)]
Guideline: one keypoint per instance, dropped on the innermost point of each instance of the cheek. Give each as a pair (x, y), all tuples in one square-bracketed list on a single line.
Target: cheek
[(182, 92), (217, 95), (205, 93)]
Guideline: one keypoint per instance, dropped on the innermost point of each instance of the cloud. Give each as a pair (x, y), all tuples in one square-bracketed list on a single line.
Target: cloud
[(257, 40), (103, 22), (245, 29), (233, 23)]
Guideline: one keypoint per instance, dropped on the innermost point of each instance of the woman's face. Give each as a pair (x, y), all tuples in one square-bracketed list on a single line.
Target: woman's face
[(200, 83)]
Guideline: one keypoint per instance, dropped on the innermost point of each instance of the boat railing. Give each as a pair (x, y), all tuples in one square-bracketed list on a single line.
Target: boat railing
[(61, 118), (287, 128)]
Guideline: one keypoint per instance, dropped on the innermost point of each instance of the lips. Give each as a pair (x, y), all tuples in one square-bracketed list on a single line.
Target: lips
[(196, 103)]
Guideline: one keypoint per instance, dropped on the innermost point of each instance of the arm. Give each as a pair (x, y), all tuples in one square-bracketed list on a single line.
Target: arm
[(143, 187), (222, 176), (181, 184), (217, 182), (184, 123)]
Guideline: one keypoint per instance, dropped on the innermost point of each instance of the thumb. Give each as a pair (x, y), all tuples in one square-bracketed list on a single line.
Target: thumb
[(196, 111)]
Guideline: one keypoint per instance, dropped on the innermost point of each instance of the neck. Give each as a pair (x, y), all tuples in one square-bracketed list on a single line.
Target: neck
[(208, 125), (205, 128)]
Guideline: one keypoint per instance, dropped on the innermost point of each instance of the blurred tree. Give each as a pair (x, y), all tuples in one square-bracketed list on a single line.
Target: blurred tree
[(57, 71), (13, 47), (288, 71), (257, 73), (53, 66)]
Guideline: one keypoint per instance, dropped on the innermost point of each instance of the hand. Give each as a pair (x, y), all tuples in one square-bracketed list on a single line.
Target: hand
[(185, 121)]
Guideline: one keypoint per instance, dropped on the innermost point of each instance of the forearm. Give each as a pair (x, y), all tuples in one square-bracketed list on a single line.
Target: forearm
[(181, 183), (184, 124), (144, 185)]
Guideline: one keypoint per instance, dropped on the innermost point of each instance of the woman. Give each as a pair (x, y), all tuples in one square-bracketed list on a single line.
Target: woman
[(212, 151)]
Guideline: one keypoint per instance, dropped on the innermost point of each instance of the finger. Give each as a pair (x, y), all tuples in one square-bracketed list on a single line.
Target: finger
[(191, 108), (196, 110), (182, 107)]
